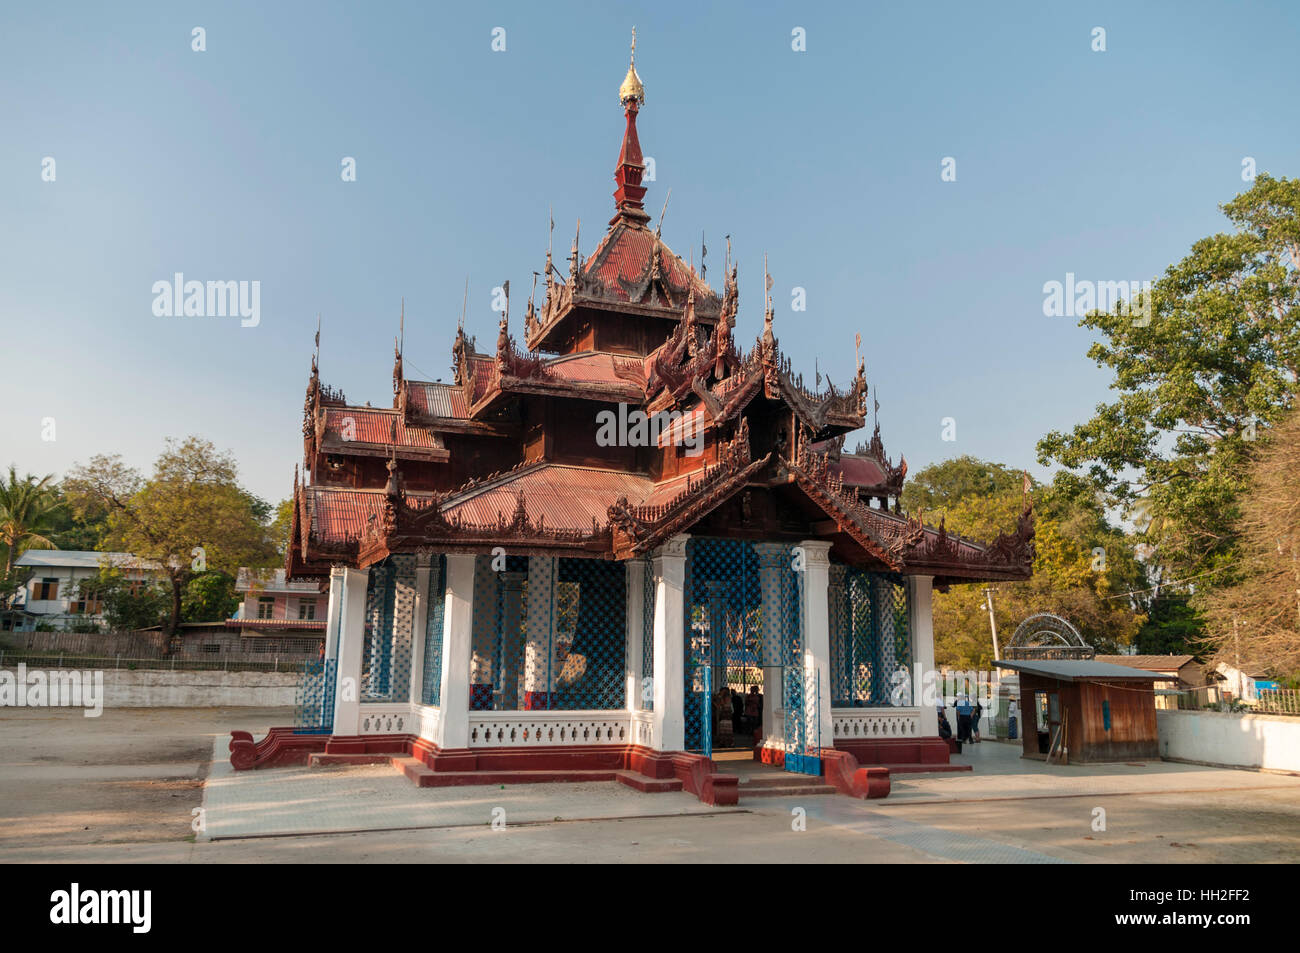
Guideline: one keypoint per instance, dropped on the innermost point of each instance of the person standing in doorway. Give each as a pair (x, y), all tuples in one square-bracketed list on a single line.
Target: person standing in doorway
[(975, 714)]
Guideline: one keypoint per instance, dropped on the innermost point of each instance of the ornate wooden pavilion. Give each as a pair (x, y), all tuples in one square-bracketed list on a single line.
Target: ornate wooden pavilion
[(511, 590)]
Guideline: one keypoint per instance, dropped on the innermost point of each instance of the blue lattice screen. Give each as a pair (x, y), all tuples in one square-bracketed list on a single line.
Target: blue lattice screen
[(731, 589), (650, 587), (390, 615), (314, 699), (871, 638), (549, 634), (431, 677)]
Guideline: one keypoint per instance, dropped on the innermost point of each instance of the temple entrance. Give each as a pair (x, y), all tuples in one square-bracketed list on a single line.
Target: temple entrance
[(742, 627)]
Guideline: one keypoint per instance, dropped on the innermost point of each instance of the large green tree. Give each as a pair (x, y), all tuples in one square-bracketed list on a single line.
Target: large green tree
[(189, 516), (1083, 565), (1198, 378)]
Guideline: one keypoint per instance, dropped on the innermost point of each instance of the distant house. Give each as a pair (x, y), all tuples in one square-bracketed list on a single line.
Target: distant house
[(272, 606), (1237, 683), (1182, 674), (52, 597)]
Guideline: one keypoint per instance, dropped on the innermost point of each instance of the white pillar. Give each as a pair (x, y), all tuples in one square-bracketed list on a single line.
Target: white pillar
[(920, 600), (635, 577), (457, 632), (670, 621), (351, 641), (333, 612), (419, 619), (817, 643), (773, 560)]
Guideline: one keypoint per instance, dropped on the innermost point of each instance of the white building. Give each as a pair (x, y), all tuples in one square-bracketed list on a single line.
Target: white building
[(52, 596)]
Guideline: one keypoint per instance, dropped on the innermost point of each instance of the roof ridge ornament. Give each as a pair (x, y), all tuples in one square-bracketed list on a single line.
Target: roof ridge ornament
[(630, 193)]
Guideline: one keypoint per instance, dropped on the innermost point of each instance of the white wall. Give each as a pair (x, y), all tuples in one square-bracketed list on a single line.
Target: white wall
[(1240, 740), (166, 689)]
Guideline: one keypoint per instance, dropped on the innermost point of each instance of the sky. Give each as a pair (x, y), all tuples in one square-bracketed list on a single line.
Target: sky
[(225, 164)]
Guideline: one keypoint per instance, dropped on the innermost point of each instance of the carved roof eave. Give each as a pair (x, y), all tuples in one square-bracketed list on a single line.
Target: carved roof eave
[(639, 529), (838, 509), (633, 537), (407, 529), (356, 448), (906, 544), (508, 385), (538, 338), (821, 417)]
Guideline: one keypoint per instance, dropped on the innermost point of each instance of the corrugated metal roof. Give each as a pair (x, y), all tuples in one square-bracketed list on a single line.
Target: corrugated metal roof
[(1074, 670), (859, 471), (374, 426), (433, 399), (1154, 663), (82, 559), (597, 367), (563, 497), (623, 256), (337, 514)]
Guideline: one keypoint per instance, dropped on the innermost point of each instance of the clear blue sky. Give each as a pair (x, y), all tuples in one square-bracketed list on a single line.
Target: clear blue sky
[(225, 165)]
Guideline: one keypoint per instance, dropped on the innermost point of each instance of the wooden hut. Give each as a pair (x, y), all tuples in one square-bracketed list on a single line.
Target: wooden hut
[(1086, 711)]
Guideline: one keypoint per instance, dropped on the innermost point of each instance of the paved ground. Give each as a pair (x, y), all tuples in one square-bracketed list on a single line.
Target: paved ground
[(124, 788)]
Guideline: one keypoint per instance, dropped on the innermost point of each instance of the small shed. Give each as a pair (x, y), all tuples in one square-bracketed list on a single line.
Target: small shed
[(1086, 711)]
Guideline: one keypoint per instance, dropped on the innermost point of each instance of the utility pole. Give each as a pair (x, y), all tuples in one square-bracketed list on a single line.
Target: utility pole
[(993, 623)]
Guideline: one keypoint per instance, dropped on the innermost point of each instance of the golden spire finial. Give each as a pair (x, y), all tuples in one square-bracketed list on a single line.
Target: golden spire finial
[(632, 88)]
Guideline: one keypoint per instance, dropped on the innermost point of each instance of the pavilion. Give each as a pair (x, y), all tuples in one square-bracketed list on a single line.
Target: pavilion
[(511, 590)]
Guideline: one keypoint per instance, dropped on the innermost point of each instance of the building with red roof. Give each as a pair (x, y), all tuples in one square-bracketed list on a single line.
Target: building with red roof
[(569, 556)]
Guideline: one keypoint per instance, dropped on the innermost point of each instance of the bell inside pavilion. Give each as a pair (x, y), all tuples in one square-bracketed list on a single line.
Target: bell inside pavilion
[(513, 594)]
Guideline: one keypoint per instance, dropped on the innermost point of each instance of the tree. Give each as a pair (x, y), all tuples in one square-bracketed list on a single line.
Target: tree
[(209, 597), (282, 527), (1255, 622), (126, 604), (189, 516), (1083, 566), (27, 515), (1215, 362), (943, 484)]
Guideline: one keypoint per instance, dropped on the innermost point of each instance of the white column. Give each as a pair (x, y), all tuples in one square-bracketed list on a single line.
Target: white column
[(351, 641), (920, 599), (635, 569), (420, 618), (457, 633), (817, 642), (333, 612), (670, 621)]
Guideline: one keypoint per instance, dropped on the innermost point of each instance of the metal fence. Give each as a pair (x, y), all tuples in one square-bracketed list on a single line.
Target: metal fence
[(1279, 701), (10, 659)]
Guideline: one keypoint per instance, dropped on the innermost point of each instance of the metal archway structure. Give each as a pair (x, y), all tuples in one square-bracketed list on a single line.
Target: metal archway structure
[(1047, 635)]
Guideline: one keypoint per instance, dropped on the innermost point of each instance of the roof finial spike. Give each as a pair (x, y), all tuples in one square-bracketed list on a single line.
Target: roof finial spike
[(401, 327), (660, 227), (460, 325)]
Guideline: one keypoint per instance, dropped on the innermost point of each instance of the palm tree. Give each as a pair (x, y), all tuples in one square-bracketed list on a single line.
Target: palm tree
[(27, 509)]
